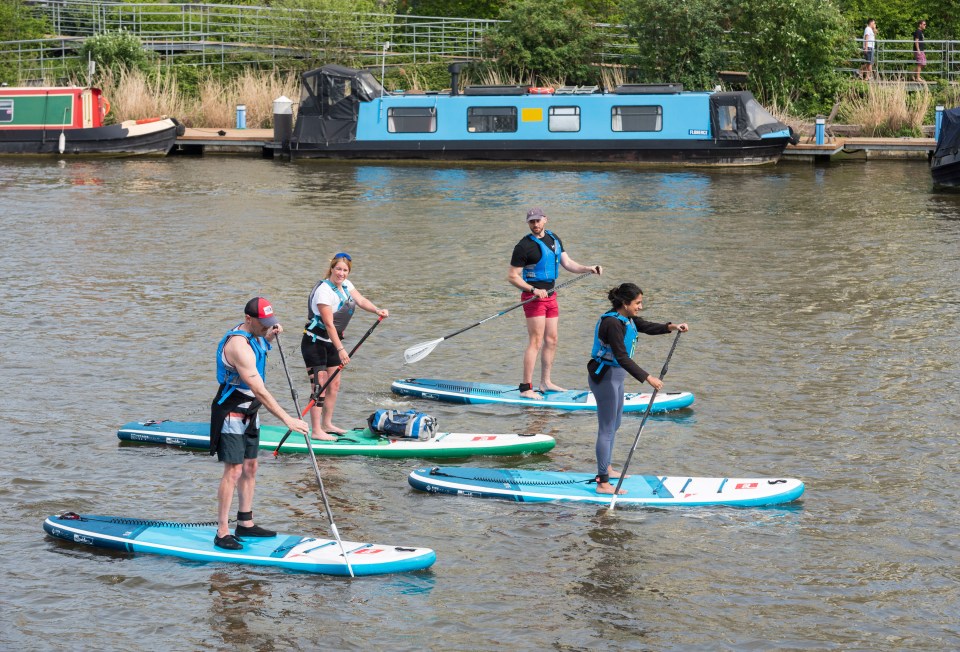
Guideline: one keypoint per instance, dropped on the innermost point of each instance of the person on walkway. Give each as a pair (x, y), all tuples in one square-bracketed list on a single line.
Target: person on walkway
[(234, 422), (869, 47), (534, 266), (329, 309), (919, 50), (611, 359)]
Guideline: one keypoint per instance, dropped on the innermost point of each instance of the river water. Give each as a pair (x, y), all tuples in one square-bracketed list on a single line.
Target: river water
[(823, 306)]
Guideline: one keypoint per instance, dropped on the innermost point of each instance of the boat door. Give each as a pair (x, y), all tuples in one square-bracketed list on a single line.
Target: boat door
[(86, 103)]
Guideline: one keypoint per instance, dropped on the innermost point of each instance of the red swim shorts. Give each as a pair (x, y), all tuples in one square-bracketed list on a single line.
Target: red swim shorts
[(540, 307)]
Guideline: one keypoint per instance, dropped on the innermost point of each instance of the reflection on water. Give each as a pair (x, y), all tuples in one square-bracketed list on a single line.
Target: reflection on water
[(823, 304)]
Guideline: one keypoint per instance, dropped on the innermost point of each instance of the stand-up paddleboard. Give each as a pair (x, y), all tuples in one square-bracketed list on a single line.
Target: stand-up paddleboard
[(455, 391), (541, 486), (195, 542), (354, 442)]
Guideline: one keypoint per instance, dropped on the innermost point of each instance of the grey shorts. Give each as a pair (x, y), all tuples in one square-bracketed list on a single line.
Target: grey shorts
[(234, 448), (868, 55)]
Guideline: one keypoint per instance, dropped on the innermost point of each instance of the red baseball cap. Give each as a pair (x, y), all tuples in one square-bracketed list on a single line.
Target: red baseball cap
[(260, 308)]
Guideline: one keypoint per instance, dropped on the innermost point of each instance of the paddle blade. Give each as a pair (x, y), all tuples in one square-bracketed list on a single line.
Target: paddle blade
[(420, 351)]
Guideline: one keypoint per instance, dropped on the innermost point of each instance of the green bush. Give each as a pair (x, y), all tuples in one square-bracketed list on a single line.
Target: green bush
[(115, 52), (548, 39)]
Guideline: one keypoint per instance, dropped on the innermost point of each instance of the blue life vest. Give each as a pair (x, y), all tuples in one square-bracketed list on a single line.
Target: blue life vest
[(228, 375), (341, 314), (602, 352), (548, 267)]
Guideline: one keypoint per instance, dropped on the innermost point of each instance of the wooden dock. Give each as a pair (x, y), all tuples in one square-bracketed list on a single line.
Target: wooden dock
[(260, 142)]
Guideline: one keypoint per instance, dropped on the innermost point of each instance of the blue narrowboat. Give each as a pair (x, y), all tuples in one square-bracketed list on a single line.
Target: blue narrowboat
[(945, 162), (346, 113)]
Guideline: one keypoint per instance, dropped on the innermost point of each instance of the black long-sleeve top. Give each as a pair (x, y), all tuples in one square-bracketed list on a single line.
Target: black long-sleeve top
[(612, 331)]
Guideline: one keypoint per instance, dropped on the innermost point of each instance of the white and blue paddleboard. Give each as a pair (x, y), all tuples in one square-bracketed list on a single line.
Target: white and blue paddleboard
[(455, 391), (195, 542), (651, 490)]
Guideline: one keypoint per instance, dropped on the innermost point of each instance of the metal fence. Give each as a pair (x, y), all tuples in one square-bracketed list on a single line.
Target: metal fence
[(289, 39), (206, 34), (894, 59)]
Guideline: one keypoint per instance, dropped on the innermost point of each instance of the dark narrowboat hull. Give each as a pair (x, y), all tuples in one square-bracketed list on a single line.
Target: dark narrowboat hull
[(678, 152), (126, 139), (946, 171)]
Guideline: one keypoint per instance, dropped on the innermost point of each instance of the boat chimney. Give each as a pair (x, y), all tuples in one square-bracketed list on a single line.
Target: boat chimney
[(454, 69)]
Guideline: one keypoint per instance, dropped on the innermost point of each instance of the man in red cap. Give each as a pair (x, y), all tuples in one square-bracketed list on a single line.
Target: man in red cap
[(534, 266), (234, 422)]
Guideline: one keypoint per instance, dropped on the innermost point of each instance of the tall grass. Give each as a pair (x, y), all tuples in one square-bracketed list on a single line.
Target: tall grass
[(887, 110), (134, 95)]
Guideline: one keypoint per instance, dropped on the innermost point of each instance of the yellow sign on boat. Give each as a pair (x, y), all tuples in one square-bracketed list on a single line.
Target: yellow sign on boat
[(531, 115)]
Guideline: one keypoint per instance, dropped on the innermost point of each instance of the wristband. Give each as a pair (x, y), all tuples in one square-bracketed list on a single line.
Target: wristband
[(340, 349)]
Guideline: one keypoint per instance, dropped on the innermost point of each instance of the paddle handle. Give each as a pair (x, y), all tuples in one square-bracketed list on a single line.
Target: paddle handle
[(636, 440)]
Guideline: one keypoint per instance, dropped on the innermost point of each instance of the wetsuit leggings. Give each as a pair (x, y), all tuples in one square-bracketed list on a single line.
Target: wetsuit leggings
[(609, 395)]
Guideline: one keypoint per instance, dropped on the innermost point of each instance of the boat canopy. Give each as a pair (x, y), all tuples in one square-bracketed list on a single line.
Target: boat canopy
[(949, 141), (329, 103), (738, 116)]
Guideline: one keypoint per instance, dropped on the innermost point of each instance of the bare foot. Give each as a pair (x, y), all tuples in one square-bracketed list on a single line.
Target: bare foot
[(322, 436), (335, 430), (607, 488), (613, 474), (531, 394), (550, 387)]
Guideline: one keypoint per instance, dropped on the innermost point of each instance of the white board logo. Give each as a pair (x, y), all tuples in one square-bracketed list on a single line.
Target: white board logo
[(79, 538)]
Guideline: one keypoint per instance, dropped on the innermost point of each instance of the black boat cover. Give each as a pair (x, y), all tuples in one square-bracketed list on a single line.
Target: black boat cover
[(329, 103), (949, 140), (738, 116)]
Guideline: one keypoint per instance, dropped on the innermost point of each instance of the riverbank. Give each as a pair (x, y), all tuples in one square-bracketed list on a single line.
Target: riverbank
[(260, 142)]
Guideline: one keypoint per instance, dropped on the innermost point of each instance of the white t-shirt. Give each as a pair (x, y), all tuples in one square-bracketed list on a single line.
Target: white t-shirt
[(869, 38), (325, 295)]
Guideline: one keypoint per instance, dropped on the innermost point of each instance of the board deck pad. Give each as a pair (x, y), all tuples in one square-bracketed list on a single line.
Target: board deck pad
[(195, 542), (355, 442), (542, 486), (470, 393)]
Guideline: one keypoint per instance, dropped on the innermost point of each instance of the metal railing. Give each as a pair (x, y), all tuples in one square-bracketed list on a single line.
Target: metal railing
[(290, 39), (894, 59)]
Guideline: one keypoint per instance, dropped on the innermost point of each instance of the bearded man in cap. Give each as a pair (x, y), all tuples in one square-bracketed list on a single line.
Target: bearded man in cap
[(534, 267), (234, 422)]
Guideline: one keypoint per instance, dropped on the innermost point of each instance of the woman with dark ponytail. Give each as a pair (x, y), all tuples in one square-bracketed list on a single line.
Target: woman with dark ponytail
[(610, 361)]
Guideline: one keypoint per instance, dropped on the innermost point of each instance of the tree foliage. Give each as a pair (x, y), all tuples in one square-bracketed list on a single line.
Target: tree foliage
[(790, 48), (549, 39), (677, 41)]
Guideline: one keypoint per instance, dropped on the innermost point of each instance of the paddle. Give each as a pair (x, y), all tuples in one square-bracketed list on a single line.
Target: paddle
[(316, 395), (636, 440), (420, 351), (313, 458)]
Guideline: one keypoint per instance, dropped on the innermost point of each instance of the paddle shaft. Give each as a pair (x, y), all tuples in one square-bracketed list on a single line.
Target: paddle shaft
[(420, 351), (316, 467), (315, 396), (522, 303), (636, 440)]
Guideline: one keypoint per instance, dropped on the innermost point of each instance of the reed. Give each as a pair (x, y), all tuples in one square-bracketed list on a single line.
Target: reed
[(134, 95), (886, 110)]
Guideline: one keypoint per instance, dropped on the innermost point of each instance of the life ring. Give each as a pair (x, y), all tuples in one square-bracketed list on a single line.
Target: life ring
[(104, 105), (143, 121), (540, 90)]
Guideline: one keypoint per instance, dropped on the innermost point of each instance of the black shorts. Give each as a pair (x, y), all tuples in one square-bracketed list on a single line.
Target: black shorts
[(868, 55), (319, 354), (234, 448)]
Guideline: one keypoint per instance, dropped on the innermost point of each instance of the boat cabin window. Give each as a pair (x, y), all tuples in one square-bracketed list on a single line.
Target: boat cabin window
[(637, 118), (727, 118), (6, 110), (412, 120), (491, 119), (564, 118)]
